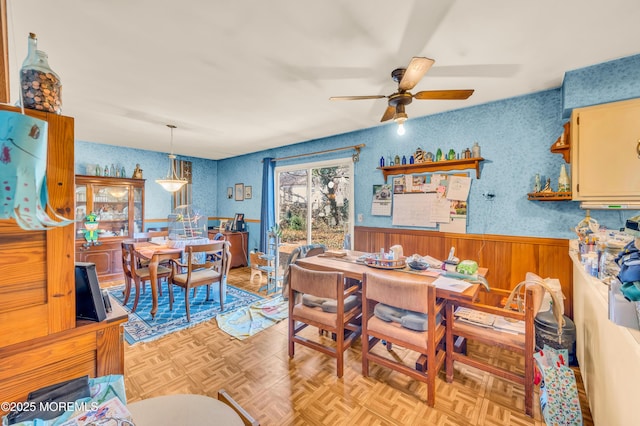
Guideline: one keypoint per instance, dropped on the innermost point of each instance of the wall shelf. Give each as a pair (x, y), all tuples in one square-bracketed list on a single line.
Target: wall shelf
[(563, 144), (433, 166), (565, 150), (549, 196)]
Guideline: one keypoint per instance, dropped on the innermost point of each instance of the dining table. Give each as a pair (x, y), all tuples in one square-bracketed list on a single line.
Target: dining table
[(350, 264), (156, 253)]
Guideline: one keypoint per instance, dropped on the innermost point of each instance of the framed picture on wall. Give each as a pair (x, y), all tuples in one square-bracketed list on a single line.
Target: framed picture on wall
[(247, 192), (239, 191), (229, 192)]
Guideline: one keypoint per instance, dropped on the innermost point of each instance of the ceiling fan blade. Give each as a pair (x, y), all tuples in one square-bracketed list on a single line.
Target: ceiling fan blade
[(417, 68), (355, 98), (443, 94), (388, 114)]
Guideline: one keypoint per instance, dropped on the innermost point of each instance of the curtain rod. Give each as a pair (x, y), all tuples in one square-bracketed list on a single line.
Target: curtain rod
[(355, 156)]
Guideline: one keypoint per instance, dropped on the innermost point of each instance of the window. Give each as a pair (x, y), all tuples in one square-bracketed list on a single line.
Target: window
[(314, 202)]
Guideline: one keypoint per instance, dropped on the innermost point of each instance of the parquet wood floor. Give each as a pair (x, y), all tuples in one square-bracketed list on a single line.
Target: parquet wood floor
[(257, 373)]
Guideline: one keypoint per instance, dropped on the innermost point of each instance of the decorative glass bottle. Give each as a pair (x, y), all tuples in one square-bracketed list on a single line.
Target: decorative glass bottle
[(40, 85), (564, 184), (475, 150)]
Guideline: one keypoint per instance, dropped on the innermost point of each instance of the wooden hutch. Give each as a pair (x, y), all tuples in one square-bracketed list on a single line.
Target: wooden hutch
[(42, 343), (119, 204)]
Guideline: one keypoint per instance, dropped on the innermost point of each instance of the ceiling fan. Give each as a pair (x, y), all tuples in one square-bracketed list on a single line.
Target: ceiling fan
[(407, 78)]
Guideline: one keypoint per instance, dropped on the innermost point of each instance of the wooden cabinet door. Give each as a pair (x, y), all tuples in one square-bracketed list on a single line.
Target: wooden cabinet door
[(605, 152), (101, 257)]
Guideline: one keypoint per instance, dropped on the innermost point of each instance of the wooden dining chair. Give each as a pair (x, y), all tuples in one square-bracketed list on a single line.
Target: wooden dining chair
[(326, 304), (300, 252), (522, 344), (247, 418), (413, 306), (137, 273), (207, 264)]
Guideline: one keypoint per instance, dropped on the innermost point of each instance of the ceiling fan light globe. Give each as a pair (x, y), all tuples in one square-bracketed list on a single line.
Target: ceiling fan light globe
[(401, 130)]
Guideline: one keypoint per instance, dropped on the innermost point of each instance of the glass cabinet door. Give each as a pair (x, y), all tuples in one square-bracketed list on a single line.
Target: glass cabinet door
[(111, 204), (138, 213), (118, 204), (81, 209)]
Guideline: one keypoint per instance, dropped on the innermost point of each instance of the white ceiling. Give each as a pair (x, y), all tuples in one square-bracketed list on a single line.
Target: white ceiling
[(242, 76)]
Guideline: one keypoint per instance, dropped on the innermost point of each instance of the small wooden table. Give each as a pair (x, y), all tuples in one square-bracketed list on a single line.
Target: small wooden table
[(183, 409), (356, 270)]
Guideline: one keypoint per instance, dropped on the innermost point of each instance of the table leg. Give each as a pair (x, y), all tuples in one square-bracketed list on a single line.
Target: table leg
[(153, 277)]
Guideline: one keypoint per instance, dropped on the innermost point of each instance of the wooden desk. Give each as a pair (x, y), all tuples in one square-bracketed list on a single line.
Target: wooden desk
[(155, 254), (353, 269)]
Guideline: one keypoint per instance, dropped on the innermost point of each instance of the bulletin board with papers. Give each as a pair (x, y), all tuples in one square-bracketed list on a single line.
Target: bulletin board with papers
[(432, 201)]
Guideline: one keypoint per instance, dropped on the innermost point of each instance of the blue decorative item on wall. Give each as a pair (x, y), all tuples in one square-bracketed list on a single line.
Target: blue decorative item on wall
[(23, 162)]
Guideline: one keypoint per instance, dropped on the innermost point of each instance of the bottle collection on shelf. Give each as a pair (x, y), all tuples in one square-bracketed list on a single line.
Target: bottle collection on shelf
[(421, 156), (564, 183), (112, 171)]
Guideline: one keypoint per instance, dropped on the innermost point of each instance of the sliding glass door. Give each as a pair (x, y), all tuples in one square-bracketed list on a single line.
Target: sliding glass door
[(314, 203)]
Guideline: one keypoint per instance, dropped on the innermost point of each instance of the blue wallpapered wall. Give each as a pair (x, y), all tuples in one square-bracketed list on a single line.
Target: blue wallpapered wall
[(154, 165), (514, 134), (607, 82)]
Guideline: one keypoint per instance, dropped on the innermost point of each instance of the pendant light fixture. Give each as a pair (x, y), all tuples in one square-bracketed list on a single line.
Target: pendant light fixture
[(172, 182)]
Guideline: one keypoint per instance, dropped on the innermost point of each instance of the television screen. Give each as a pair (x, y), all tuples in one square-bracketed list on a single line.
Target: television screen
[(89, 301)]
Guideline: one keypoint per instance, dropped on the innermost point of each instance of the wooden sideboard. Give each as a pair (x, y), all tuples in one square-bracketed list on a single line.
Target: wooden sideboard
[(239, 246), (508, 258), (41, 342)]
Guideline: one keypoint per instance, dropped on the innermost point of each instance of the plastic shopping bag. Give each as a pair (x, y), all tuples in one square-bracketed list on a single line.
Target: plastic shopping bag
[(559, 401)]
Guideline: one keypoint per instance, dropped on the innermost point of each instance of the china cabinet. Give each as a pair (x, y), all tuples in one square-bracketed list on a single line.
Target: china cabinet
[(118, 204)]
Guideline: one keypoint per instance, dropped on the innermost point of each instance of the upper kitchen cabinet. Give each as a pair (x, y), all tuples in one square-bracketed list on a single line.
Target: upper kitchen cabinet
[(605, 152)]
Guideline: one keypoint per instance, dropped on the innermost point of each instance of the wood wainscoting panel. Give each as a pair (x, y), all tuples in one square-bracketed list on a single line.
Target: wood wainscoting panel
[(508, 258)]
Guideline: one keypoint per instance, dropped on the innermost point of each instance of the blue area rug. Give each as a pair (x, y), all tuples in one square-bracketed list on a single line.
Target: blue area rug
[(247, 321), (141, 328)]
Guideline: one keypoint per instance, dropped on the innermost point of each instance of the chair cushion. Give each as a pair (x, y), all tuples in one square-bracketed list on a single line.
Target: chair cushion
[(198, 276), (416, 321), (315, 314), (400, 334), (329, 305), (144, 273)]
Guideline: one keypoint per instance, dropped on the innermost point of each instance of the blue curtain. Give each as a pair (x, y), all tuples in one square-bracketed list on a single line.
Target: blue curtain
[(268, 206)]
